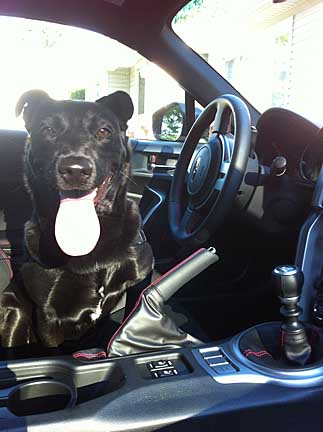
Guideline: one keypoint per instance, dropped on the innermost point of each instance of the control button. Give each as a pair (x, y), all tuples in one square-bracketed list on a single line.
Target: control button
[(224, 369), (210, 352), (160, 364), (216, 360), (164, 373)]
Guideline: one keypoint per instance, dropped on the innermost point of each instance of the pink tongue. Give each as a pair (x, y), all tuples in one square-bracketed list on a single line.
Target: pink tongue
[(77, 227)]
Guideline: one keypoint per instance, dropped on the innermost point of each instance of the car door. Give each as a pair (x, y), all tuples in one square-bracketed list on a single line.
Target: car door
[(153, 167)]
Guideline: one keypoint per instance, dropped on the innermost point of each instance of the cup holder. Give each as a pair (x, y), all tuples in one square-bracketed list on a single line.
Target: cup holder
[(62, 387), (38, 397)]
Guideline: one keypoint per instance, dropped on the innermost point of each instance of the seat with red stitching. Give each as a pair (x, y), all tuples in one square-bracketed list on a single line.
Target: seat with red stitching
[(6, 273)]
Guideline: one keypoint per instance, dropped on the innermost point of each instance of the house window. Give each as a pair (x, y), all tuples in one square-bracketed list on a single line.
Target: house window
[(119, 79), (281, 67), (229, 69), (141, 94)]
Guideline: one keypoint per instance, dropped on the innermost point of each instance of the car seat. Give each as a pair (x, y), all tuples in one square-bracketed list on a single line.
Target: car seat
[(6, 272)]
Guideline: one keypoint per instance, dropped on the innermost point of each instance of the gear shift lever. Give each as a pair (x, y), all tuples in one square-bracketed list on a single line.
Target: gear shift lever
[(288, 281)]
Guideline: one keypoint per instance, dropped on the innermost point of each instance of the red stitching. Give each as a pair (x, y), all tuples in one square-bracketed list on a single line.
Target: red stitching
[(249, 352), (88, 355), (143, 292), (282, 338), (102, 354), (7, 261)]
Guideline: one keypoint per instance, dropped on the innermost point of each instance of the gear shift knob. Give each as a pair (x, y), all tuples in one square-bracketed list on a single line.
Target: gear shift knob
[(288, 282)]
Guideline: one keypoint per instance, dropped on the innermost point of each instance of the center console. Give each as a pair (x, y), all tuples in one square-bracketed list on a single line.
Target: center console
[(232, 384), (268, 377), (209, 387)]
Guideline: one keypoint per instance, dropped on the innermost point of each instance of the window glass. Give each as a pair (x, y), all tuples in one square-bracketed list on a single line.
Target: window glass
[(269, 51), (69, 62)]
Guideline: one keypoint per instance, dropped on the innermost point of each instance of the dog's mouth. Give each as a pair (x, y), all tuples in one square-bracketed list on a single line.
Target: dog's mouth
[(77, 227), (97, 194)]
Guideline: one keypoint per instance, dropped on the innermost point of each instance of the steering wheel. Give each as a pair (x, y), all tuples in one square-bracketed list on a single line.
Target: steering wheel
[(212, 173)]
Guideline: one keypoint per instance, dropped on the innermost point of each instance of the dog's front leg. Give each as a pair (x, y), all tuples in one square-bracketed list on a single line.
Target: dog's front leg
[(15, 321), (49, 328), (118, 280)]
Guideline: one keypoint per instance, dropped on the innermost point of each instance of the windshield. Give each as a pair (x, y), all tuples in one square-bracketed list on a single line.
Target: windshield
[(269, 51), (73, 63)]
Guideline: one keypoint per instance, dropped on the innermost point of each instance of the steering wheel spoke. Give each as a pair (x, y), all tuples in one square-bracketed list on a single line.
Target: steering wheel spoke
[(224, 167), (222, 120), (189, 219)]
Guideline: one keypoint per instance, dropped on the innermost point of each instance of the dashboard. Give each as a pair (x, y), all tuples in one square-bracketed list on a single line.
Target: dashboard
[(284, 133)]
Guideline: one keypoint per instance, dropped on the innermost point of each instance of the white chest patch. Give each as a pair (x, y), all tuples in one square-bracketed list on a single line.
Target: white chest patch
[(98, 310)]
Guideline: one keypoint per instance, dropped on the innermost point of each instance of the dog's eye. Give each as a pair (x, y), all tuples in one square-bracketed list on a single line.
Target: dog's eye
[(49, 131), (103, 133)]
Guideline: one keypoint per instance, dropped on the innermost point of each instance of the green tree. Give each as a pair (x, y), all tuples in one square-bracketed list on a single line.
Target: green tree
[(78, 94), (192, 6), (172, 123)]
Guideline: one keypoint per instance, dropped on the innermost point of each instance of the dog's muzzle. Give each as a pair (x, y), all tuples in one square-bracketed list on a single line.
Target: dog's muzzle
[(77, 226), (74, 171)]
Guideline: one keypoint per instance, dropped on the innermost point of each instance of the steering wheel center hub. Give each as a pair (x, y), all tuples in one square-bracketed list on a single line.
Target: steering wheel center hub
[(199, 171), (204, 170)]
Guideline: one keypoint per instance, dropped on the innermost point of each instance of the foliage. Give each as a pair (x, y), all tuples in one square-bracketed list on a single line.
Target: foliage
[(186, 11), (282, 40), (172, 124), (78, 94)]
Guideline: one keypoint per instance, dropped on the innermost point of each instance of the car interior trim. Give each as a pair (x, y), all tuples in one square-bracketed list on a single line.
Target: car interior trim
[(252, 373), (161, 198)]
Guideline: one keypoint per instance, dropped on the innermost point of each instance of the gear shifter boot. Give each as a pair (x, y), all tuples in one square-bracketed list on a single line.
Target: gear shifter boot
[(288, 282), (296, 347), (265, 344)]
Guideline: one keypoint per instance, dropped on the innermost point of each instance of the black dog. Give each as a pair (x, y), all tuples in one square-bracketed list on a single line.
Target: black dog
[(76, 152)]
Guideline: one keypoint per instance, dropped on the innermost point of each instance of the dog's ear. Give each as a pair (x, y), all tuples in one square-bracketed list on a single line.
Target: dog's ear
[(121, 104), (28, 102)]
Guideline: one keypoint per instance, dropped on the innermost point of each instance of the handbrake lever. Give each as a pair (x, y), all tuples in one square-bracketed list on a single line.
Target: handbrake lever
[(169, 283), (148, 327)]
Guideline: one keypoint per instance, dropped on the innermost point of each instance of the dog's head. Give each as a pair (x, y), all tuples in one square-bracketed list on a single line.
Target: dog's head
[(77, 165), (77, 147)]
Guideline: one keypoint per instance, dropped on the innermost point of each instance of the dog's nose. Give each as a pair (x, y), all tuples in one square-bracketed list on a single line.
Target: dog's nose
[(75, 169)]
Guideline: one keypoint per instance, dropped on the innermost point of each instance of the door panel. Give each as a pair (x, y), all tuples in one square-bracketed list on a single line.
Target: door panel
[(153, 166), (151, 158)]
